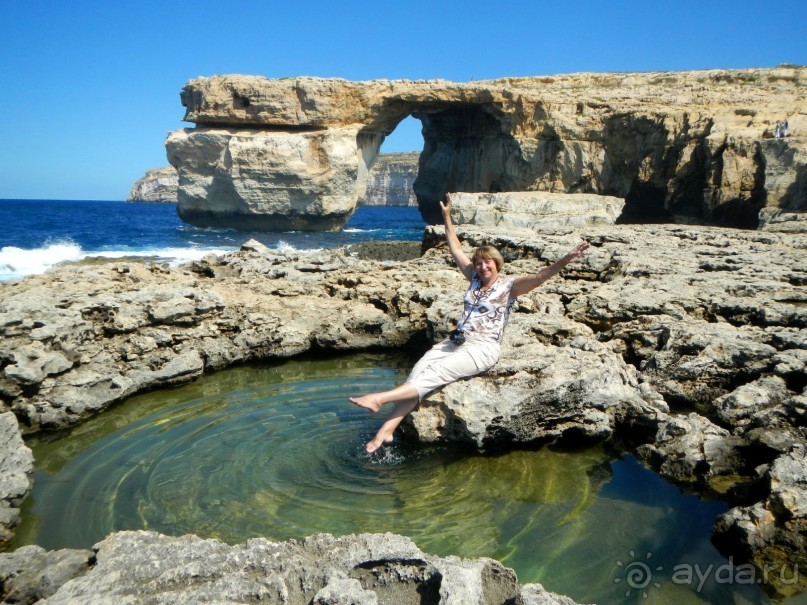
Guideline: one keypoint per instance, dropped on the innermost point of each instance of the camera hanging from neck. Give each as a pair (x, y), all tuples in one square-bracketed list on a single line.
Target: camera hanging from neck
[(457, 335)]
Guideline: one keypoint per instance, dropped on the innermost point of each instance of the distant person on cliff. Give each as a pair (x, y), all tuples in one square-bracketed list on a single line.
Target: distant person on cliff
[(474, 346)]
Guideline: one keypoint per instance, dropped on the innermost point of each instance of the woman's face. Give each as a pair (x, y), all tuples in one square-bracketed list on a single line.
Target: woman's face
[(486, 270)]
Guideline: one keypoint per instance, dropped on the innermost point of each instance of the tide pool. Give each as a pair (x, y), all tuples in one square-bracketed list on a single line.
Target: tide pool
[(277, 451)]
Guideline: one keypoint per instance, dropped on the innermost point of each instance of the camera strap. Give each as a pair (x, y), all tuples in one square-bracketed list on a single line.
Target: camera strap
[(477, 296)]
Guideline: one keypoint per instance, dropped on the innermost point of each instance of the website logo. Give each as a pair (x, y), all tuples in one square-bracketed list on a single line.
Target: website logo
[(638, 575)]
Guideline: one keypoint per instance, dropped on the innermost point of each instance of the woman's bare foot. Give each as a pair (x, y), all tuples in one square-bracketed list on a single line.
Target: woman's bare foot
[(376, 442), (370, 402)]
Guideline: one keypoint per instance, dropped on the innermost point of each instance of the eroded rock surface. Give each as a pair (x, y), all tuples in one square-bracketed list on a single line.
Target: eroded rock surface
[(391, 179), (684, 345), (369, 569), (16, 466), (535, 210), (690, 146), (31, 573), (157, 185)]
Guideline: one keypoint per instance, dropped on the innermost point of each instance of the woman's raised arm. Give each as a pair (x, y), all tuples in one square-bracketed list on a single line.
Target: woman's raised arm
[(454, 246), (524, 284)]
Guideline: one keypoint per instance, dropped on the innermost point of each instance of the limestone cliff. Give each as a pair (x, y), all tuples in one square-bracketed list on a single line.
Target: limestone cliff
[(390, 180), (157, 185), (686, 146)]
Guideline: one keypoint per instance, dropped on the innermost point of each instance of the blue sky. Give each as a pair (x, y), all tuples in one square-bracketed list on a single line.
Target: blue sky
[(89, 89)]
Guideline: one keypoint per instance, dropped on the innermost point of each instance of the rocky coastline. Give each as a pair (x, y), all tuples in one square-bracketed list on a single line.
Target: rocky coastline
[(683, 345)]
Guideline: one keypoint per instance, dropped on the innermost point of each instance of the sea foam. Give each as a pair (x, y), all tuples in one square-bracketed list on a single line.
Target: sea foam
[(16, 263)]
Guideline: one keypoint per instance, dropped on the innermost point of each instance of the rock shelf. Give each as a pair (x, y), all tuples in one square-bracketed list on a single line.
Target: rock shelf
[(684, 345)]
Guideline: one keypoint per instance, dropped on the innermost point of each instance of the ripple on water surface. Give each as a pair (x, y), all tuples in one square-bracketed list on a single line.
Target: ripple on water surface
[(279, 452)]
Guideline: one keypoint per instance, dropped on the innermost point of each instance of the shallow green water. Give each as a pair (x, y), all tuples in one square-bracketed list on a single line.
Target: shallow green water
[(278, 452)]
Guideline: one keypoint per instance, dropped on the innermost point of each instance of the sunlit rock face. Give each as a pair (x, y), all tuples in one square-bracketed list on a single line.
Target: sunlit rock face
[(157, 185), (265, 181), (390, 180), (687, 146), (535, 210)]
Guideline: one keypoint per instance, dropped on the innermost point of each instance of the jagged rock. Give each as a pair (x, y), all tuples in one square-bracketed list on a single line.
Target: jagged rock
[(535, 210), (16, 466), (654, 323), (575, 393), (157, 185), (385, 569), (691, 146), (535, 594), (692, 450), (30, 573), (776, 219), (772, 533), (755, 404)]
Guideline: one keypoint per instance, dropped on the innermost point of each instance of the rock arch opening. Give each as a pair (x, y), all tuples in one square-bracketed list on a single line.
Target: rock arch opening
[(391, 176), (466, 147)]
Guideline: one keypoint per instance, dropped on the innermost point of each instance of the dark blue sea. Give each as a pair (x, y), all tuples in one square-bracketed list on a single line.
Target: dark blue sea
[(38, 234)]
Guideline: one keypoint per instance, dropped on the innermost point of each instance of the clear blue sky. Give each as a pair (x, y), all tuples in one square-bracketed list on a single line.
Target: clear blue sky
[(90, 88)]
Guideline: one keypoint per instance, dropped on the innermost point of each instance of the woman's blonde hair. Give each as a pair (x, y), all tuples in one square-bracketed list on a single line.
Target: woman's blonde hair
[(488, 253)]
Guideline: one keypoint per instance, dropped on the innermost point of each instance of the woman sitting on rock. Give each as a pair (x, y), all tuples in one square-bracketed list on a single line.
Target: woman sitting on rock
[(474, 346)]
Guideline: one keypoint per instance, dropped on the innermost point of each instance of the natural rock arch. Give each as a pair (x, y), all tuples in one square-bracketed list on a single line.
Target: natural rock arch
[(294, 153)]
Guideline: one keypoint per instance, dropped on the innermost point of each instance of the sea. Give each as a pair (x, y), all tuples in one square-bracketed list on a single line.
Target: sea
[(38, 234)]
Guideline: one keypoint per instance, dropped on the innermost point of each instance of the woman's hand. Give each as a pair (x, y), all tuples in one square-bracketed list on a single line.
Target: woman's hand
[(445, 208), (578, 251)]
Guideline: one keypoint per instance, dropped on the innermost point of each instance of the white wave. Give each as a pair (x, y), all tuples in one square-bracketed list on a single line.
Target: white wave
[(284, 247), (16, 263), (172, 256)]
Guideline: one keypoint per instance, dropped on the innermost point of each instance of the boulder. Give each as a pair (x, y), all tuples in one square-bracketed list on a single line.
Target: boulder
[(771, 534), (30, 574), (535, 210), (577, 393)]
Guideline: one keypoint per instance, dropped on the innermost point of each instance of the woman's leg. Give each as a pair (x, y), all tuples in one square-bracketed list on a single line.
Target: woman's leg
[(374, 401), (442, 364), (384, 434)]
